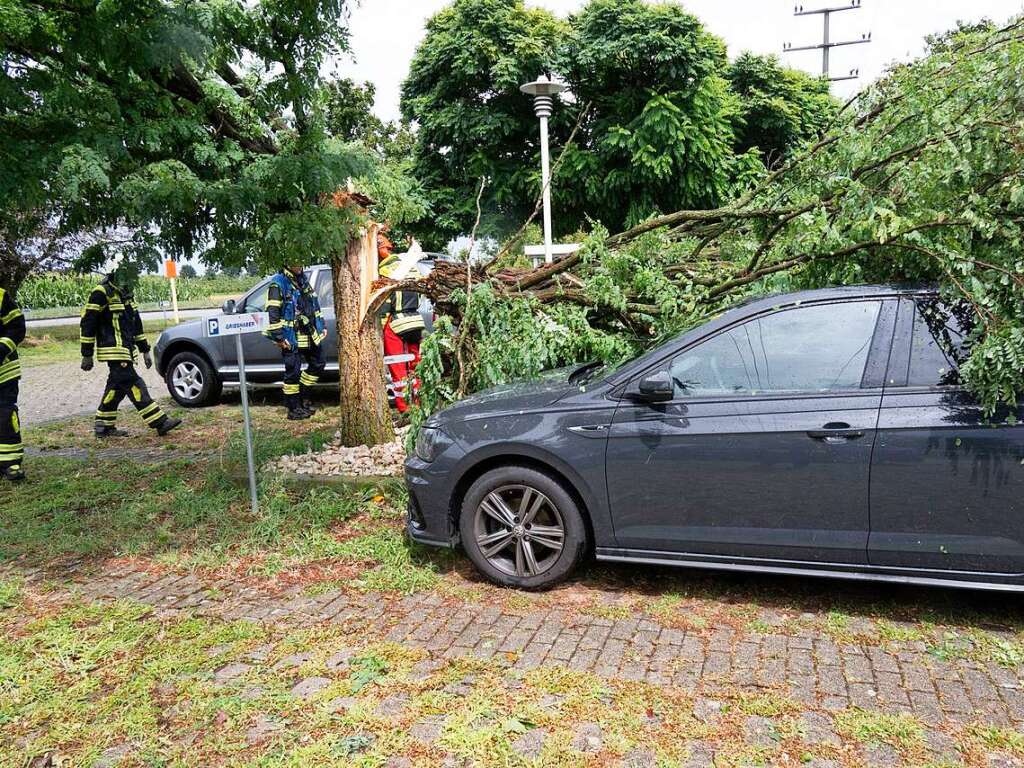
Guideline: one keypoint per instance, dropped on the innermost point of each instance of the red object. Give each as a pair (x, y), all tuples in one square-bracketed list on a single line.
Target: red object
[(401, 373)]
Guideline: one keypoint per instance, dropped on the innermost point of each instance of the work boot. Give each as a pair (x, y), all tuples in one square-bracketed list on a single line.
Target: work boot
[(109, 431), (307, 405), (298, 414), (166, 425), (13, 473)]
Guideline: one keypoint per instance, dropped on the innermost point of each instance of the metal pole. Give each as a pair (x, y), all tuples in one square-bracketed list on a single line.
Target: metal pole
[(825, 47), (248, 428), (174, 300), (545, 173)]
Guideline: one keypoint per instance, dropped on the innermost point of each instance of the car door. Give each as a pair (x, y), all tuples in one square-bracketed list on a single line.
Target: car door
[(947, 484), (324, 284), (764, 450)]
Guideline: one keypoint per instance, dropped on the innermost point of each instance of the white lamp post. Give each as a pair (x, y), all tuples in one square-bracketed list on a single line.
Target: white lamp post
[(542, 90)]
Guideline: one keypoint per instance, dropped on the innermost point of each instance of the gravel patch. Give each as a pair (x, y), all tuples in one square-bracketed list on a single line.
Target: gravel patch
[(58, 390), (335, 459)]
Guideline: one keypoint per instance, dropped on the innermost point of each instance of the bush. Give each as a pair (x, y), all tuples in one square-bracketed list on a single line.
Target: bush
[(53, 290)]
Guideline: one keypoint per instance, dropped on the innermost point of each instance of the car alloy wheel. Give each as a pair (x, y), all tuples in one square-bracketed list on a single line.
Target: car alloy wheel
[(519, 530), (187, 380)]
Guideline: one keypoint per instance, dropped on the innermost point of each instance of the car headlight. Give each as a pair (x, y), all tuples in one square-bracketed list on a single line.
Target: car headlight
[(430, 442)]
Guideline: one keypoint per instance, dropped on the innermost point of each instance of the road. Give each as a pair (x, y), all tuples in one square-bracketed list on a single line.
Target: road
[(185, 314), (59, 390)]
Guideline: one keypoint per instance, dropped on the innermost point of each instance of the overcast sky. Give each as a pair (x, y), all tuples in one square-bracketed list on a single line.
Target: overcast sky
[(385, 33)]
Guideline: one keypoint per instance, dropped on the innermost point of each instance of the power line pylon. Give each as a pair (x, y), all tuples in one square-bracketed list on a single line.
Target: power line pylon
[(827, 44)]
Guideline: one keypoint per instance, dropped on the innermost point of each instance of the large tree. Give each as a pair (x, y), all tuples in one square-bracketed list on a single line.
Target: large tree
[(462, 93), (198, 123), (662, 126)]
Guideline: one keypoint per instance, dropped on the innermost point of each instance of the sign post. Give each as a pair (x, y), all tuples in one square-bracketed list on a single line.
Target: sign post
[(172, 274), (237, 326)]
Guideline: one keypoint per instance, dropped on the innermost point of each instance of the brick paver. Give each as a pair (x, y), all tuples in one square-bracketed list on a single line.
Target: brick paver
[(810, 667)]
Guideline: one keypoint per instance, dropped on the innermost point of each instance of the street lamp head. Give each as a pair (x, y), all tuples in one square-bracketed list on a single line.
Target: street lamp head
[(543, 86), (543, 90)]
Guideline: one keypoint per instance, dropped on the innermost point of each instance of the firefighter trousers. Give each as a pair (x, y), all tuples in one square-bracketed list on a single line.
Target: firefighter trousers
[(11, 449), (297, 382), (123, 381)]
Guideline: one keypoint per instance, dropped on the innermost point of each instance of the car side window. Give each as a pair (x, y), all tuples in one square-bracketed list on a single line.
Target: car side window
[(940, 342), (257, 300), (821, 348), (325, 289)]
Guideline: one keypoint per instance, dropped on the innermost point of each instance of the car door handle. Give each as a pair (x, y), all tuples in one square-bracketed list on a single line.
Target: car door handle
[(835, 431), (590, 430)]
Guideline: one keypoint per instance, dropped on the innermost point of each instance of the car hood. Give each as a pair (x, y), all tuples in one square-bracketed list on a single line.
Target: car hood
[(190, 328), (513, 397)]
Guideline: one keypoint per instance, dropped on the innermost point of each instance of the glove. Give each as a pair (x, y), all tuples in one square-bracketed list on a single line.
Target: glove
[(86, 363), (147, 358)]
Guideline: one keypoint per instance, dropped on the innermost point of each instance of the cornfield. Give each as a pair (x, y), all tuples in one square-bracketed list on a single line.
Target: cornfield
[(55, 290)]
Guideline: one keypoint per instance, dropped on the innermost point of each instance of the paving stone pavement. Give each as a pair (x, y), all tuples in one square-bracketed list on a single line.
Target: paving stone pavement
[(808, 666)]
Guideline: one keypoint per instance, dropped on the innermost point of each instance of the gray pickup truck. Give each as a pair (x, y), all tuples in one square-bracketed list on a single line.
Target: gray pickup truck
[(197, 368)]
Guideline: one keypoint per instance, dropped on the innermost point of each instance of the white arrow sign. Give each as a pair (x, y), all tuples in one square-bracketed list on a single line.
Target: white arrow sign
[(236, 325)]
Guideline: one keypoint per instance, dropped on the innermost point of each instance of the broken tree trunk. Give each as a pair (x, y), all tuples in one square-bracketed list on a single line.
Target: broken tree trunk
[(365, 416)]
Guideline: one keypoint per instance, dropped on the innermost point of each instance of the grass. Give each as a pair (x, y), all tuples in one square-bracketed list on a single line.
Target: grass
[(193, 511), (902, 731)]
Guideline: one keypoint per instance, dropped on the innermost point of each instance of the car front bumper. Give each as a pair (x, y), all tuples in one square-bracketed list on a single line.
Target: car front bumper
[(429, 519)]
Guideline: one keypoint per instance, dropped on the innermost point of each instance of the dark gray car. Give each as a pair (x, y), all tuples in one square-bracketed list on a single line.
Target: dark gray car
[(197, 368), (821, 433)]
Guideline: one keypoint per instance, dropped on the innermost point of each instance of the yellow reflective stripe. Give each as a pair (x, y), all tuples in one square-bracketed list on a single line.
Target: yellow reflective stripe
[(149, 409), (308, 380), (14, 314), (113, 354), (153, 418), (9, 343), (116, 306), (274, 326), (274, 303), (291, 389), (111, 394), (94, 307), (106, 415)]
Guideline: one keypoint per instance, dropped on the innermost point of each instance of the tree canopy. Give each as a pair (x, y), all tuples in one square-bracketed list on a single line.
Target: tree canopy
[(203, 127), (668, 121)]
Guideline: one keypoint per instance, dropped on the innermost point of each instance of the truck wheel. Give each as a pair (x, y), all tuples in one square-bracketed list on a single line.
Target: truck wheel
[(521, 528), (192, 382)]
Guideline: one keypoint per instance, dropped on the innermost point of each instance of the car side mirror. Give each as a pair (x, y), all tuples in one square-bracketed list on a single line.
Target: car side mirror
[(228, 307), (656, 388)]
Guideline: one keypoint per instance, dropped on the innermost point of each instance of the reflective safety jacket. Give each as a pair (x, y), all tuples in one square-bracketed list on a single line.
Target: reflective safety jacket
[(12, 333), (111, 325), (403, 309), (294, 311)]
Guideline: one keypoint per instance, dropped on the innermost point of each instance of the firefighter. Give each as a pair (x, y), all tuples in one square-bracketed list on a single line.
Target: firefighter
[(403, 331), (297, 327), (112, 328), (12, 333)]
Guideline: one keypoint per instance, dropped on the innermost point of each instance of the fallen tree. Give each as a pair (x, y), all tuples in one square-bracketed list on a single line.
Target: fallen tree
[(920, 179)]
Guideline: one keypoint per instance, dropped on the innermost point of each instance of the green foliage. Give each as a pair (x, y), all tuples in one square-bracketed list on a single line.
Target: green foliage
[(659, 134), (781, 109), (203, 128)]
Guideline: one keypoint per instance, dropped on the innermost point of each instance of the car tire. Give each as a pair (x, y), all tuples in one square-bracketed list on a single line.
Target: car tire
[(192, 381), (514, 553)]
